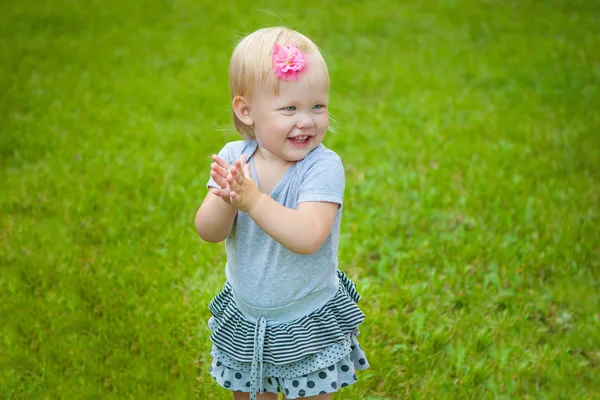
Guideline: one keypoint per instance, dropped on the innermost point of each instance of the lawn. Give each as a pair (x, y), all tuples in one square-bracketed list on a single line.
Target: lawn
[(470, 134)]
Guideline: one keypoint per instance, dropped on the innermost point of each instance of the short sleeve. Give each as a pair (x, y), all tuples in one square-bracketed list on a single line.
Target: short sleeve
[(323, 180)]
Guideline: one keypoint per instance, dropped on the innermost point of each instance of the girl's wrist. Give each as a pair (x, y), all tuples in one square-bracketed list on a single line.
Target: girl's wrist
[(254, 202)]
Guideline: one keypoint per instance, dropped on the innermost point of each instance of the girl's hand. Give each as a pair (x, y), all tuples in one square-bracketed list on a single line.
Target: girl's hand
[(219, 171), (244, 194)]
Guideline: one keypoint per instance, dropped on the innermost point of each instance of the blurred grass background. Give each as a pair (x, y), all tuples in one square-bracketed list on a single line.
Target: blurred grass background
[(470, 134)]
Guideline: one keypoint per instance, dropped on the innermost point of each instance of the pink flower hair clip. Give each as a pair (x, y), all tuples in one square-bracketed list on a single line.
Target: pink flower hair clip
[(288, 61)]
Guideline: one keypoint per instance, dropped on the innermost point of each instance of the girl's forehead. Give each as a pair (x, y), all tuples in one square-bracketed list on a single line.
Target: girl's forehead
[(305, 87), (303, 90), (311, 84)]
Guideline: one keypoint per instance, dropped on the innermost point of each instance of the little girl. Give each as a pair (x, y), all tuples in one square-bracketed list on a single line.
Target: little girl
[(286, 319)]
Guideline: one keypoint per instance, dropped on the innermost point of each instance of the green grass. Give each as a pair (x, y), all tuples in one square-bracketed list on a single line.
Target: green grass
[(470, 134)]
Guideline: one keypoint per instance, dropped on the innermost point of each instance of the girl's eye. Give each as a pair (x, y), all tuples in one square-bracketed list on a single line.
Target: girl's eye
[(318, 107), (290, 108)]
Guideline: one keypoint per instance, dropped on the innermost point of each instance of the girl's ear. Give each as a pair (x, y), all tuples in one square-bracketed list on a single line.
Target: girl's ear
[(242, 110)]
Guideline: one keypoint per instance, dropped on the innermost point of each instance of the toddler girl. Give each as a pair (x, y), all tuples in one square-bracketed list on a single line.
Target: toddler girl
[(286, 319)]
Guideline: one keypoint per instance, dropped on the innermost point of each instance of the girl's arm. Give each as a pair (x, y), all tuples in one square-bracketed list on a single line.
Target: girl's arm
[(214, 218), (302, 231)]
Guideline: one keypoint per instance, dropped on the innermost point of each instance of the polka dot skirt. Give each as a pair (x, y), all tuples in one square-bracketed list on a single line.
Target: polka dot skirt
[(328, 356), (347, 359)]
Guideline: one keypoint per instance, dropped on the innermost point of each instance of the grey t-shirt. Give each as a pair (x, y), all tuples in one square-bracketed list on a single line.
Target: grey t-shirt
[(268, 279)]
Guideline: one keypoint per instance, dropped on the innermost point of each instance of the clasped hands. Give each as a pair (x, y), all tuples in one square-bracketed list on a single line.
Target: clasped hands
[(236, 185)]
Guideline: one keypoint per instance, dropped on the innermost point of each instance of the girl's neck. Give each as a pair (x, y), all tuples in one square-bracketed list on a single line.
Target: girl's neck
[(270, 158), (270, 169)]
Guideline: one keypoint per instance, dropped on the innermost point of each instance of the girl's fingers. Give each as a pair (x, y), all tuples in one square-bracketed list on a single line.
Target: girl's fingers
[(219, 179), (222, 163), (237, 174), (233, 184), (246, 170), (218, 169), (220, 192), (223, 194), (240, 168)]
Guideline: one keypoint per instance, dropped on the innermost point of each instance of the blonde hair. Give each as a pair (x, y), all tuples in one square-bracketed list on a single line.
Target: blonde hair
[(251, 65)]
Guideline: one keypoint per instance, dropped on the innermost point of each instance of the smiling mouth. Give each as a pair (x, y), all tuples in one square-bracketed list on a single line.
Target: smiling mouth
[(300, 141)]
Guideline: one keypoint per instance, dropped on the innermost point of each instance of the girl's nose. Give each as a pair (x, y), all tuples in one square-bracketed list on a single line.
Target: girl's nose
[(305, 121)]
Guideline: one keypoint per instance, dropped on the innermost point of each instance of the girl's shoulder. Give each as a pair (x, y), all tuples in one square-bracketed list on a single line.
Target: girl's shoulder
[(232, 150)]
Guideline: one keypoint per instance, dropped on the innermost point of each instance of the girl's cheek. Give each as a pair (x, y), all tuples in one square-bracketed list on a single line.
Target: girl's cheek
[(324, 120)]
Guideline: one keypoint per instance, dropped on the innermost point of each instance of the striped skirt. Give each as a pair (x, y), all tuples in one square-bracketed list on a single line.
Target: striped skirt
[(315, 354)]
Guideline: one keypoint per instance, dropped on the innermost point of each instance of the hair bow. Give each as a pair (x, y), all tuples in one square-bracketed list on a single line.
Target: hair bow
[(288, 61)]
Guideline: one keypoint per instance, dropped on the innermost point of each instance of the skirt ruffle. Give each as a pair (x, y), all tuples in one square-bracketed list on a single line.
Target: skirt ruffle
[(314, 362), (326, 378), (287, 342)]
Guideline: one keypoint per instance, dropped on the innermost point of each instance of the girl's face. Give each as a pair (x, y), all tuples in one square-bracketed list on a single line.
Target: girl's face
[(290, 125)]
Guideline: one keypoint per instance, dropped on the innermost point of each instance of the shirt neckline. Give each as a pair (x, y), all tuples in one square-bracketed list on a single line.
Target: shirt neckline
[(279, 184)]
